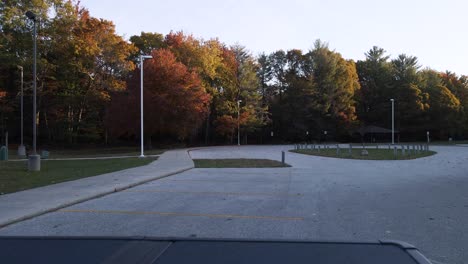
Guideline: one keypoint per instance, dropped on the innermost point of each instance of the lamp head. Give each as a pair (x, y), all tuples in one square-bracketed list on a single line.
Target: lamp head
[(31, 15)]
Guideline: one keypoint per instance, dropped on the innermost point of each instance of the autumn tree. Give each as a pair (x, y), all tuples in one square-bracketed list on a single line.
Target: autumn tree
[(458, 86), (145, 43), (444, 106), (253, 113), (336, 82), (175, 102)]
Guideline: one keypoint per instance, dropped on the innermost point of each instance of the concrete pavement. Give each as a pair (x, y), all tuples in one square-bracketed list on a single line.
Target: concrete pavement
[(30, 203), (422, 201)]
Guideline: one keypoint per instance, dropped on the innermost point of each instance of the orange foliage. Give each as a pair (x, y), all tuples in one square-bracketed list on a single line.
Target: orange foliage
[(174, 101)]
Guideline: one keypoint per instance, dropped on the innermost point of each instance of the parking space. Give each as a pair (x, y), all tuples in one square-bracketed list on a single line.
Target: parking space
[(423, 202)]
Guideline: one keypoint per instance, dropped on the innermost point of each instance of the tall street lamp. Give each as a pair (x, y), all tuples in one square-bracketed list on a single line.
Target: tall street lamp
[(238, 122), (34, 161), (142, 58), (393, 121), (21, 148)]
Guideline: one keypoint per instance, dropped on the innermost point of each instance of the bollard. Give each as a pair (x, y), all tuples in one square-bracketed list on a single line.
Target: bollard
[(318, 149), (282, 157), (337, 150), (377, 146), (388, 146), (427, 147), (350, 151), (403, 151), (395, 152)]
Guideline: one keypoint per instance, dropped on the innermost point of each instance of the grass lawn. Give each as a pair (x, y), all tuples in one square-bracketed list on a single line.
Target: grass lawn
[(374, 154), (438, 143), (92, 152), (14, 175), (238, 163)]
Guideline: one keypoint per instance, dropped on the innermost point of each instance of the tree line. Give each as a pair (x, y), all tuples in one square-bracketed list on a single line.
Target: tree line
[(200, 91)]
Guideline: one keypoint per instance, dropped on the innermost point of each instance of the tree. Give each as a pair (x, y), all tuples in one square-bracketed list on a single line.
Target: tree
[(215, 64), (411, 102), (375, 78), (97, 65), (458, 85), (172, 93), (253, 112), (336, 82), (444, 106), (145, 43)]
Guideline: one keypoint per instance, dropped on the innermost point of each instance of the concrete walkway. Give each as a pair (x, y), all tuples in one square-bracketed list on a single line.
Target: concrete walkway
[(30, 203)]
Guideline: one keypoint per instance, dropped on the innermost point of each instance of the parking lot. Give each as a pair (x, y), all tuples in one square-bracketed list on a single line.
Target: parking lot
[(423, 202)]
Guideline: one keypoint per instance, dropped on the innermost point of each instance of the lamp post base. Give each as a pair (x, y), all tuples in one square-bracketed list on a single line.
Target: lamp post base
[(34, 162), (21, 151)]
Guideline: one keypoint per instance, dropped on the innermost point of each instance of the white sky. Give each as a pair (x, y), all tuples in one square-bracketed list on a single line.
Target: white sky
[(434, 31)]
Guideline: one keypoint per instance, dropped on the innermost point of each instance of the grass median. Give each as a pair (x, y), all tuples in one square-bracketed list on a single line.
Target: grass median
[(14, 175), (238, 163), (373, 154), (91, 152)]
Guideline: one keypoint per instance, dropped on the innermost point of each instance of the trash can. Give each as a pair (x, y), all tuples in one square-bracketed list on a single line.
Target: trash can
[(3, 153)]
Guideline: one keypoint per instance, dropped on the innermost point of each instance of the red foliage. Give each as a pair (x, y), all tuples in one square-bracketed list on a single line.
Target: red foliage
[(174, 101)]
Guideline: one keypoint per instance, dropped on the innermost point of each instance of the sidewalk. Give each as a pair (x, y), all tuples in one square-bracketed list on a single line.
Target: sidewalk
[(30, 203)]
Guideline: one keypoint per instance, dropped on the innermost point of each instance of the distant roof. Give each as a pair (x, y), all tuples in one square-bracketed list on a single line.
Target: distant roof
[(374, 130)]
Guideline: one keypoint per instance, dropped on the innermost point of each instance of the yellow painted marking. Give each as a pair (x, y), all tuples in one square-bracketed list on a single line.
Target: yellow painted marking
[(224, 181), (184, 214), (214, 193)]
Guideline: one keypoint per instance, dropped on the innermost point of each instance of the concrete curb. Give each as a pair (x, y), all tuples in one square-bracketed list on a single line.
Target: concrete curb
[(93, 196)]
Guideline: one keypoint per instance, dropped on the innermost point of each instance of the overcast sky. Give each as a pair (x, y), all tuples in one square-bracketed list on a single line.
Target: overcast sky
[(434, 31)]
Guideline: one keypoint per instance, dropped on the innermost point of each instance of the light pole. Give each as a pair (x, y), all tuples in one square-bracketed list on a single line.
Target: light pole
[(393, 121), (238, 122), (21, 148), (34, 161), (142, 58)]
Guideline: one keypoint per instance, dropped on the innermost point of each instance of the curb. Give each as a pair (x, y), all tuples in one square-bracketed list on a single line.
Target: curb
[(94, 196)]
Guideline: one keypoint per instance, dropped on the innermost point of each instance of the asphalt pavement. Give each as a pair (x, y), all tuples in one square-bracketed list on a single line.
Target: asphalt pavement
[(26, 204), (423, 202)]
